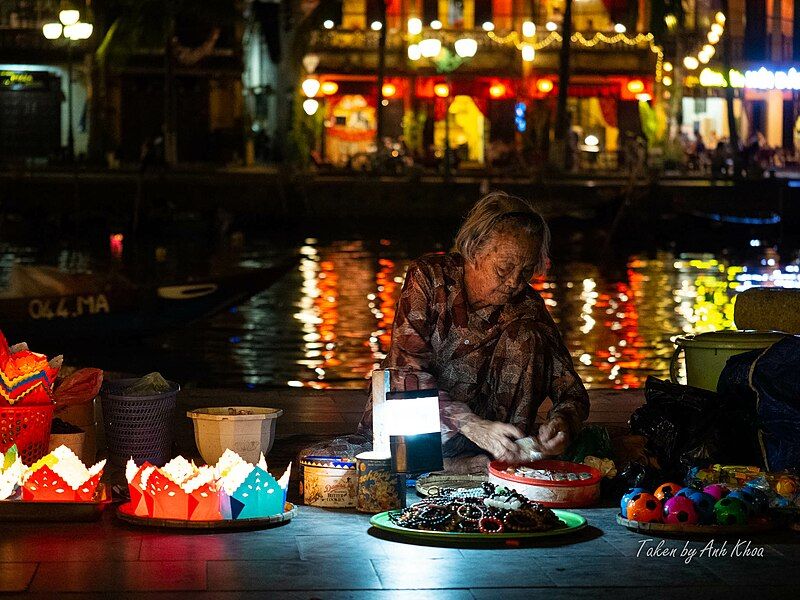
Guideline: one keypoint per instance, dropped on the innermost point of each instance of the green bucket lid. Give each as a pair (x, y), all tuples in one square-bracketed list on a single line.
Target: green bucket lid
[(731, 340)]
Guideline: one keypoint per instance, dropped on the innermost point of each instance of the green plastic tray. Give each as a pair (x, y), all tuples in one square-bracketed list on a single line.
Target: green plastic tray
[(571, 521)]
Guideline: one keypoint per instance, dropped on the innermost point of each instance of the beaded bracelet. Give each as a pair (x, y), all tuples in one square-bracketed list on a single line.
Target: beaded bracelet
[(470, 512), (490, 525), (521, 521)]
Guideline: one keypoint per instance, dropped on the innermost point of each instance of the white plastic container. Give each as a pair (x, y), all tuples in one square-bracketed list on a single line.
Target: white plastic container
[(247, 430)]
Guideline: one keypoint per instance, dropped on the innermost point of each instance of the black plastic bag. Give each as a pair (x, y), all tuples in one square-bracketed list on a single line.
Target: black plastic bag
[(687, 426)]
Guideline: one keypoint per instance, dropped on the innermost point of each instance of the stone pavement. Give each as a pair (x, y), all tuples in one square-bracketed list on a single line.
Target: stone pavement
[(335, 554)]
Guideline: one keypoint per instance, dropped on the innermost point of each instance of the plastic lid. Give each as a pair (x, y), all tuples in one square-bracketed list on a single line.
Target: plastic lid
[(731, 339)]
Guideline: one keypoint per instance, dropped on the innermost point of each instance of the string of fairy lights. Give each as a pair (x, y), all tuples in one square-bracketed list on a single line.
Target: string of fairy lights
[(554, 37), (528, 46), (423, 46)]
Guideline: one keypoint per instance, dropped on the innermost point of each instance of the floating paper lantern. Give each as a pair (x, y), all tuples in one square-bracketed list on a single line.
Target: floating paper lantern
[(61, 476)]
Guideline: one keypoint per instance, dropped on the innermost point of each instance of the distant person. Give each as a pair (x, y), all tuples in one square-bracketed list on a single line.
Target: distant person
[(719, 161)]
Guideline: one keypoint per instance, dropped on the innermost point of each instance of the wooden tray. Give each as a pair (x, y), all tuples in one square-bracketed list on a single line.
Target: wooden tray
[(19, 510), (694, 530), (125, 513), (571, 521)]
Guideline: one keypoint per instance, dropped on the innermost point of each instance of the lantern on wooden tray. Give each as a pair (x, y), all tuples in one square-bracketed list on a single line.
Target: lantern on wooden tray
[(234, 489), (61, 477), (249, 491), (178, 490)]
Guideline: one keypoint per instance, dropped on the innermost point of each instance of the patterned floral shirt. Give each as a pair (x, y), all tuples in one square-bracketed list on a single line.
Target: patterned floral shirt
[(498, 362)]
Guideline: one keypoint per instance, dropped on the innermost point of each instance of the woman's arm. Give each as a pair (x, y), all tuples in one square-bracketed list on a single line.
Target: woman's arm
[(564, 388)]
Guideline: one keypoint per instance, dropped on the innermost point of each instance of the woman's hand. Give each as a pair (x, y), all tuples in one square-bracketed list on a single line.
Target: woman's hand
[(467, 465), (495, 437), (554, 436)]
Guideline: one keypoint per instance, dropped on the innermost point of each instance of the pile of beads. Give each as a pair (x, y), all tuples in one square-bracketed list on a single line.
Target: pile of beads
[(488, 509), (546, 474)]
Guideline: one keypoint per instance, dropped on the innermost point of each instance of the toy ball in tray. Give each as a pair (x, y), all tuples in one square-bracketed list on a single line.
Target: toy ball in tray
[(552, 483), (672, 508)]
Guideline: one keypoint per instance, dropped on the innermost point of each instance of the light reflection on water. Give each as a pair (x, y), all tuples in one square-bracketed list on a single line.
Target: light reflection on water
[(618, 329), (328, 323)]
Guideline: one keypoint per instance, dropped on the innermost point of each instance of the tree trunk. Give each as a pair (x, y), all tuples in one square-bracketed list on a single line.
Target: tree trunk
[(170, 129), (294, 43), (727, 50), (381, 73), (562, 116)]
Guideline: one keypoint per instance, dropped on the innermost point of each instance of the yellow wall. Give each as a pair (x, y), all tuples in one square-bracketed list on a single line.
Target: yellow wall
[(467, 126), (354, 14)]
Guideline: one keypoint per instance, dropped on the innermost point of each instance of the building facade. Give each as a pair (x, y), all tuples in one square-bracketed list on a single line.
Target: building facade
[(119, 107), (492, 93), (765, 51), (34, 85)]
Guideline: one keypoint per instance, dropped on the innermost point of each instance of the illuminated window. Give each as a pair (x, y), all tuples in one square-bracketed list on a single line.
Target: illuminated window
[(455, 13)]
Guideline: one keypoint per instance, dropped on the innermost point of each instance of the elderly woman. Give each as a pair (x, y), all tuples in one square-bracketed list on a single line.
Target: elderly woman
[(471, 320)]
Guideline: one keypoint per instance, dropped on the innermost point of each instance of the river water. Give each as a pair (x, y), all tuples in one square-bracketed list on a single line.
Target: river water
[(328, 322)]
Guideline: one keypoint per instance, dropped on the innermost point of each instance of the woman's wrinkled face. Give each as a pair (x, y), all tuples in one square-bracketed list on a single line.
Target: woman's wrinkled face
[(502, 268)]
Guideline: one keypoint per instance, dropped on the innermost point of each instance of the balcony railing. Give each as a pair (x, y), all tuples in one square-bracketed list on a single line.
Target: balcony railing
[(27, 14), (360, 39)]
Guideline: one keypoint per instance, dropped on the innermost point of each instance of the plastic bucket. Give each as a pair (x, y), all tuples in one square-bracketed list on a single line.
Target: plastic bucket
[(247, 430), (707, 353), (138, 427)]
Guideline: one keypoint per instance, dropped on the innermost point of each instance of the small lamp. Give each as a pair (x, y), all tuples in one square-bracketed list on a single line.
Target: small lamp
[(412, 422)]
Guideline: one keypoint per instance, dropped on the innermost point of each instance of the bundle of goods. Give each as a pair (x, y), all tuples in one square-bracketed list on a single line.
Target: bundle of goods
[(58, 477), (232, 490), (26, 399), (488, 509), (75, 424), (554, 483), (26, 378), (783, 488), (715, 505)]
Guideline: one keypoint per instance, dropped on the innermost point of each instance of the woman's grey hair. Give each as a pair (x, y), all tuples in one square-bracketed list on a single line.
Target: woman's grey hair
[(498, 210)]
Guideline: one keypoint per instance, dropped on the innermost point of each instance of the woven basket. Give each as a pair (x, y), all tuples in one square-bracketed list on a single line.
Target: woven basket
[(138, 427), (29, 428)]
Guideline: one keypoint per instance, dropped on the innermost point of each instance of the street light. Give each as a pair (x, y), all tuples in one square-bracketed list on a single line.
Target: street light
[(430, 47), (465, 47), (69, 17), (72, 29)]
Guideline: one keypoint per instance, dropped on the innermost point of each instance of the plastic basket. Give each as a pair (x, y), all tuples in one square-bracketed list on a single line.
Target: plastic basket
[(29, 428), (138, 427)]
